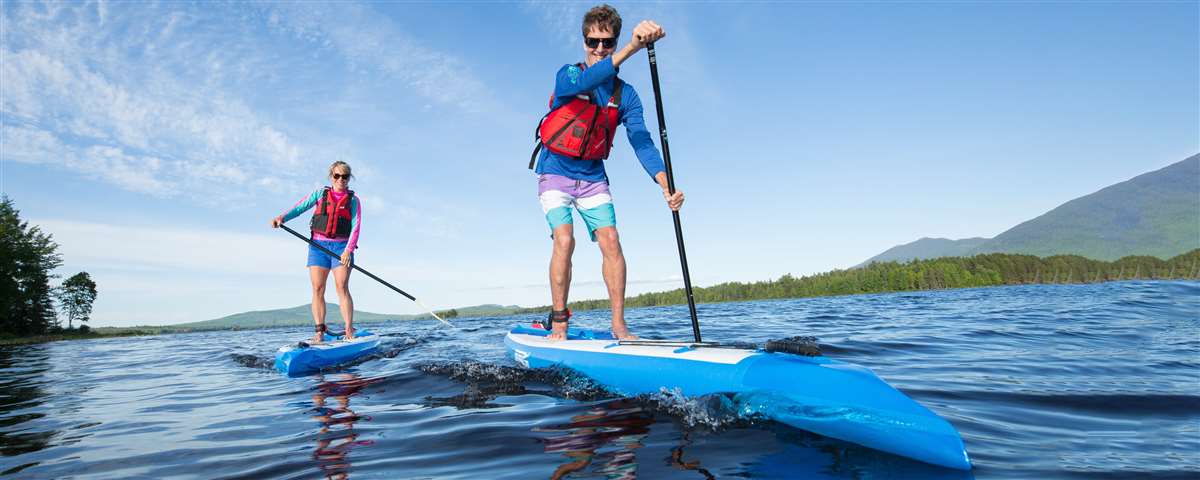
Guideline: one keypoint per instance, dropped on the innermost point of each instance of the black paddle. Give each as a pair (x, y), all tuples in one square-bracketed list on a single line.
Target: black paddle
[(369, 274), (662, 133)]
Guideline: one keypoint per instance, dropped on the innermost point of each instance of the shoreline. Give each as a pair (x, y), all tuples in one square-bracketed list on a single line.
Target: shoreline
[(584, 306), (9, 341)]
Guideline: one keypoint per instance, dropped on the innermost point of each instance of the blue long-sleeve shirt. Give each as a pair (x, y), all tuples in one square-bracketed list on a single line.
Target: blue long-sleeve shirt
[(596, 81)]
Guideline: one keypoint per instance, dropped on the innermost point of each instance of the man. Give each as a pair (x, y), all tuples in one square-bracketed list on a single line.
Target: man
[(577, 135)]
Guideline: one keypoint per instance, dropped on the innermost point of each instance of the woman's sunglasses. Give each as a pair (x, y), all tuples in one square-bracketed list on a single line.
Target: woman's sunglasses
[(593, 42), (338, 176)]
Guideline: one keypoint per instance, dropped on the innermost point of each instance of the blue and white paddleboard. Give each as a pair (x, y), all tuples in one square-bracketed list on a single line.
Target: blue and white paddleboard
[(818, 394), (301, 357)]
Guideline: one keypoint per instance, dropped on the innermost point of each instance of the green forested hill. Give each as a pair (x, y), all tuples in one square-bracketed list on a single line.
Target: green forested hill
[(298, 315), (1155, 214)]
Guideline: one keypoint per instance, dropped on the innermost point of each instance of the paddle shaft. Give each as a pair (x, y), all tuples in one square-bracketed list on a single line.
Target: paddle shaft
[(352, 265), (330, 252), (666, 151)]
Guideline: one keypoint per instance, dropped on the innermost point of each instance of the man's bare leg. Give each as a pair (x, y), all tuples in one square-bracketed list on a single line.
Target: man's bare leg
[(614, 278), (560, 275)]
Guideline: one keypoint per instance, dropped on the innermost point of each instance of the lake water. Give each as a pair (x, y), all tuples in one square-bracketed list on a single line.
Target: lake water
[(1043, 381)]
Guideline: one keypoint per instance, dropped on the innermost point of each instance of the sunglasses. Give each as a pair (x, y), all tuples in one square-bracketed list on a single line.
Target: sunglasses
[(593, 42), (338, 176)]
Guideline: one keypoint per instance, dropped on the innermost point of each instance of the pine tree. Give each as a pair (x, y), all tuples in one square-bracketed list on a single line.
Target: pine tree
[(27, 256)]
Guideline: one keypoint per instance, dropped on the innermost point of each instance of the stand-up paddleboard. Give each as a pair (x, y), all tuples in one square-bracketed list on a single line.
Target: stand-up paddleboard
[(302, 357), (814, 393)]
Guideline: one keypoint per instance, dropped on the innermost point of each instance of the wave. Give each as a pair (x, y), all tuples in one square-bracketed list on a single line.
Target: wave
[(1114, 404)]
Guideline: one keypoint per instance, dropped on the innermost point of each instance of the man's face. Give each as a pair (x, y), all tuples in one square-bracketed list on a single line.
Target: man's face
[(598, 44)]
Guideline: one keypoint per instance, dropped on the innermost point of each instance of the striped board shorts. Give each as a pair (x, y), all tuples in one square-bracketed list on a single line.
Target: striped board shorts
[(558, 194)]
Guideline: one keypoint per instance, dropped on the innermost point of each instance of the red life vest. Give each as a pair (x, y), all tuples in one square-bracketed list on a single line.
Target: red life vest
[(337, 211), (579, 128)]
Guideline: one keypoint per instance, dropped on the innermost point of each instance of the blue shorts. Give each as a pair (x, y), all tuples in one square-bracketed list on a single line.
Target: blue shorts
[(317, 258)]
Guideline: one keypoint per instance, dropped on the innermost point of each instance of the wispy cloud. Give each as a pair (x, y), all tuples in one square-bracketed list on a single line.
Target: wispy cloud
[(560, 20), (122, 108), (686, 56), (178, 100), (380, 47)]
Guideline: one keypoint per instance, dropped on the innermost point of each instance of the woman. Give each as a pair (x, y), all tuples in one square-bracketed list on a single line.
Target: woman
[(334, 226)]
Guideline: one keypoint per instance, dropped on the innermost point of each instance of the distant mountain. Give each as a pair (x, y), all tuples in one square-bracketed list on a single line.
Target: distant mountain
[(283, 317), (1155, 214), (928, 248), (489, 310), (302, 315)]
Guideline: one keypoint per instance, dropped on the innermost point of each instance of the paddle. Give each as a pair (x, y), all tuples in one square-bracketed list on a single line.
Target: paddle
[(806, 346), (662, 133), (369, 274)]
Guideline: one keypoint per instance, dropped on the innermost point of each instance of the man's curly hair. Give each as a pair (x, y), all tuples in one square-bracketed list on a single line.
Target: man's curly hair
[(603, 16)]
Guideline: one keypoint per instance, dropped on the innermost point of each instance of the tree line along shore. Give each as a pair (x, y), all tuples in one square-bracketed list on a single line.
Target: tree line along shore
[(988, 270)]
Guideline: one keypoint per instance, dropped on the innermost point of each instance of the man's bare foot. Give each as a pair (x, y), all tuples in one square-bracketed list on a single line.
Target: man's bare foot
[(558, 331), (349, 333), (623, 334), (319, 337), (559, 323)]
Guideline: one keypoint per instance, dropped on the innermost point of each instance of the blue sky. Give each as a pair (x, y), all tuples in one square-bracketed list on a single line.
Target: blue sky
[(155, 140)]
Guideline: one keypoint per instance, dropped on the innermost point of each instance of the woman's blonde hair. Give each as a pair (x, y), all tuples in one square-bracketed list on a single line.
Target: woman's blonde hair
[(340, 163)]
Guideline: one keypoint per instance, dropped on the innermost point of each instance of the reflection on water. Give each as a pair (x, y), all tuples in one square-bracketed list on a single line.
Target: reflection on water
[(21, 401), (620, 423), (679, 462), (336, 437), (607, 437)]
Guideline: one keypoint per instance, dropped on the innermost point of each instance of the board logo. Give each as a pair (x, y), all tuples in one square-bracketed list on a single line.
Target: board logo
[(522, 358)]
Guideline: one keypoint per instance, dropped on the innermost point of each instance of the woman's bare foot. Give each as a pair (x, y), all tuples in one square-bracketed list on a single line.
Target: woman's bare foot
[(318, 337), (349, 333)]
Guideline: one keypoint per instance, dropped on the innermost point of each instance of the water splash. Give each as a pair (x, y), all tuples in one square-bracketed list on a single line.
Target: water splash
[(714, 412)]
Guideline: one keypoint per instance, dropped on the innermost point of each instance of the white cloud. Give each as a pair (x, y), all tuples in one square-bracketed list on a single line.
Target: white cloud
[(155, 248)]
